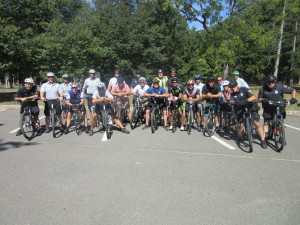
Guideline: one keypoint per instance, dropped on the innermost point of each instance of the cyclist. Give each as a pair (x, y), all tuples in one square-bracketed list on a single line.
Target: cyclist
[(176, 91), (121, 91), (52, 91), (225, 107), (199, 85), (135, 81), (241, 98), (191, 94), (211, 93), (75, 97), (100, 96), (162, 79), (240, 81), (114, 80), (172, 76), (156, 91), (29, 91), (65, 86), (90, 86), (220, 82), (271, 91)]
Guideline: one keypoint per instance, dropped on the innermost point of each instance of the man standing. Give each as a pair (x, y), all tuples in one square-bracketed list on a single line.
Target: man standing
[(51, 91), (114, 80), (162, 79), (65, 86), (172, 76), (240, 81), (135, 81)]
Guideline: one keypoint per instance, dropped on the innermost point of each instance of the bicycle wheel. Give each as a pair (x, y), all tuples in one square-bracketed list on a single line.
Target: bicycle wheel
[(78, 123), (134, 118), (175, 121), (153, 120), (27, 126), (248, 133), (53, 122), (106, 125), (190, 122), (210, 125), (279, 135)]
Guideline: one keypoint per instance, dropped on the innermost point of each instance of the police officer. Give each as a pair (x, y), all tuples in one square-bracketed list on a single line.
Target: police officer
[(66, 87)]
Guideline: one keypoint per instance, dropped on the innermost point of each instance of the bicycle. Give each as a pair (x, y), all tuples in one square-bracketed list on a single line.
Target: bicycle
[(78, 119), (105, 119), (277, 128), (210, 122), (248, 127), (155, 115), (229, 120), (175, 115), (138, 112), (27, 124), (53, 117), (191, 117), (121, 109)]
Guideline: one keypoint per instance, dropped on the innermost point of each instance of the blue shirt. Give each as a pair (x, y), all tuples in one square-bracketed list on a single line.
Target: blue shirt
[(159, 90), (75, 98)]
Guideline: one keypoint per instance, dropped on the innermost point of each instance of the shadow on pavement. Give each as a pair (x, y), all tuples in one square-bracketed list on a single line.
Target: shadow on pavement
[(14, 144)]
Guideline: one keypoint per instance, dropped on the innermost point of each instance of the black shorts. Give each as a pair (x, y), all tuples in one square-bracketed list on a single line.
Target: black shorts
[(81, 107), (225, 107), (268, 113), (98, 108), (56, 106), (162, 106), (34, 110), (195, 107), (255, 116), (89, 98)]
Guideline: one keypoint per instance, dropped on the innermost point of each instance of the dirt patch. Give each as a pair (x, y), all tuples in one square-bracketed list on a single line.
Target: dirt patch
[(7, 97)]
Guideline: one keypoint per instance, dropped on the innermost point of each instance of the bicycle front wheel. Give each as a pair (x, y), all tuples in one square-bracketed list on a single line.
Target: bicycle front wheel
[(249, 133), (210, 124), (175, 121), (134, 118), (27, 126), (190, 122), (53, 122), (78, 123), (153, 121), (279, 135)]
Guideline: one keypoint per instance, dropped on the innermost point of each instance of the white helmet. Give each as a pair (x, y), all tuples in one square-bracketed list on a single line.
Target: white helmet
[(92, 71), (65, 76), (50, 74), (142, 79), (28, 80), (225, 83), (100, 85), (74, 85)]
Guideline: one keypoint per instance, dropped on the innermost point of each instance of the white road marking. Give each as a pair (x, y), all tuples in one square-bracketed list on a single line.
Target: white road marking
[(292, 127), (223, 143), (15, 130), (2, 110), (104, 138)]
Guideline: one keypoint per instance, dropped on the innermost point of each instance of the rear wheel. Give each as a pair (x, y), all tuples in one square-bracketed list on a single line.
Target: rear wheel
[(27, 126), (279, 135)]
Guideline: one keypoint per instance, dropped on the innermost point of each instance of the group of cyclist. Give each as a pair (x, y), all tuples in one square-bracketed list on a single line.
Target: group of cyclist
[(166, 93)]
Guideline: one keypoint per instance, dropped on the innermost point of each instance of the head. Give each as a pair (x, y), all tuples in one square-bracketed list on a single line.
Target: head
[(175, 82), (74, 87), (235, 75), (160, 73), (225, 85), (198, 78), (50, 77), (173, 72), (121, 81), (155, 83), (117, 73), (92, 73), (138, 74), (66, 78), (101, 86), (28, 83), (142, 81), (220, 80), (210, 81), (270, 81), (233, 85), (190, 84)]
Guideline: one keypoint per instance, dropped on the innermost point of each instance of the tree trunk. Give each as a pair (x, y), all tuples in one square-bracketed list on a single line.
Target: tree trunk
[(280, 42), (7, 82), (225, 71), (293, 55)]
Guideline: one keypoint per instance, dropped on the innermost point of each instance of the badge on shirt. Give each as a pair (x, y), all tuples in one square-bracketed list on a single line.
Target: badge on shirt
[(276, 92), (242, 94)]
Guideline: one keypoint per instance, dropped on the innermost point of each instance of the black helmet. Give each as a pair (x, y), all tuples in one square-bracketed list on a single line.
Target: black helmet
[(270, 79), (233, 83), (210, 78), (155, 81), (174, 79)]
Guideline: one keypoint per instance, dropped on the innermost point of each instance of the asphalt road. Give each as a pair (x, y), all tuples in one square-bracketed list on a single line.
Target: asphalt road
[(145, 178)]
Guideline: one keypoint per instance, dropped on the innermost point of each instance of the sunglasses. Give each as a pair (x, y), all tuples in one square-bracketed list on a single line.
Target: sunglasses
[(174, 82), (219, 80), (211, 81), (273, 82)]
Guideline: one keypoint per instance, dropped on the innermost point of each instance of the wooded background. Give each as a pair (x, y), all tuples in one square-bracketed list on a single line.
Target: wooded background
[(255, 37)]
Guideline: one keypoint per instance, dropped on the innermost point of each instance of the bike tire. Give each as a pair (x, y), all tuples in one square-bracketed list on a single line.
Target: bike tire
[(175, 121), (134, 118), (27, 126), (78, 123), (279, 135), (190, 122), (153, 121), (106, 126), (248, 132), (53, 123), (210, 125)]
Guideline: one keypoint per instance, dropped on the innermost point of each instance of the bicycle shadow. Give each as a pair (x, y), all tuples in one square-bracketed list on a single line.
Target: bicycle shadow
[(14, 144), (271, 144)]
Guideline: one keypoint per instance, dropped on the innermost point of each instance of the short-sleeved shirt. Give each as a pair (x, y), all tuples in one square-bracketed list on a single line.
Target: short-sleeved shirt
[(242, 83), (23, 93), (163, 81), (140, 90), (113, 82), (65, 87), (51, 90), (191, 92), (175, 91), (74, 98), (105, 93), (242, 94), (91, 85), (118, 89), (214, 90), (199, 86), (159, 90), (169, 82), (134, 82)]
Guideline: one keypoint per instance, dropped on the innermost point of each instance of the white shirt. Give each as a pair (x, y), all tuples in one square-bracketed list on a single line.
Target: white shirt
[(242, 83), (113, 82), (140, 90), (91, 85), (65, 87), (51, 90), (199, 87)]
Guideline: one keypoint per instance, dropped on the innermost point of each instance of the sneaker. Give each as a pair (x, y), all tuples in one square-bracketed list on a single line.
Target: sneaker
[(171, 127), (145, 127), (19, 132), (91, 133), (263, 144), (166, 128), (66, 130), (62, 129), (124, 130), (86, 130), (199, 129), (217, 129), (39, 132), (182, 128), (48, 129)]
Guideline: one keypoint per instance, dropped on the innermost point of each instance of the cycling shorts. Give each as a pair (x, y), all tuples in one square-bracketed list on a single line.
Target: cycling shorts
[(81, 107), (254, 114), (34, 110), (268, 113), (195, 107)]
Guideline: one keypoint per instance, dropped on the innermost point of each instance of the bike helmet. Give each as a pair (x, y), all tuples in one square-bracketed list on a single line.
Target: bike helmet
[(235, 73), (121, 79), (117, 71), (190, 82), (210, 78), (92, 71), (74, 85), (155, 81), (173, 69), (138, 72), (233, 83), (65, 76), (198, 76), (28, 80), (225, 83), (160, 71), (101, 85), (142, 79), (50, 74), (174, 79), (270, 79)]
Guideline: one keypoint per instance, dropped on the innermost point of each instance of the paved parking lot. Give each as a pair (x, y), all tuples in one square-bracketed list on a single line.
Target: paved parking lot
[(145, 178)]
